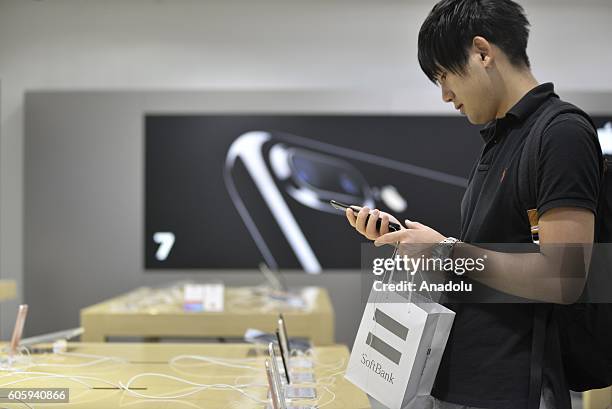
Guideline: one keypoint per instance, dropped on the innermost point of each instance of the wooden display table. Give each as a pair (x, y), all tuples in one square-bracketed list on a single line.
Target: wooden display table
[(159, 313), (126, 360)]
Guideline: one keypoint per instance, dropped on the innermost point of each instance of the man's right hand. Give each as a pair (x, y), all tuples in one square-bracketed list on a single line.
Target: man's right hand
[(369, 229)]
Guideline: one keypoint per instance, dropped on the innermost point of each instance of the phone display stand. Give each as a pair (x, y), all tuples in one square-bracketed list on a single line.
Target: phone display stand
[(297, 392), (299, 377), (296, 376), (300, 392), (279, 389), (301, 363)]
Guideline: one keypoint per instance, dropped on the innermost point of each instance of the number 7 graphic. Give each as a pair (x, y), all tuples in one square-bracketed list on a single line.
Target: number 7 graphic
[(165, 241)]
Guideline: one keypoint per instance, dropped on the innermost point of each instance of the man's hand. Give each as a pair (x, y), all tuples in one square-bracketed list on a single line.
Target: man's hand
[(416, 233), (369, 229), (413, 233)]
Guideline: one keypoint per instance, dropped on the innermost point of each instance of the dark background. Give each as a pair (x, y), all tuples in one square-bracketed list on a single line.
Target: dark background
[(185, 192)]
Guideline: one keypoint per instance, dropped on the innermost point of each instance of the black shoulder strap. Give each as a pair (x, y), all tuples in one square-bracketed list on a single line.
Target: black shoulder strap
[(538, 341), (528, 165), (528, 177)]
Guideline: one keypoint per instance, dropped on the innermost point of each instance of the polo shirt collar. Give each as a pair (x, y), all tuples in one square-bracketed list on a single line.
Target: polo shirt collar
[(527, 105)]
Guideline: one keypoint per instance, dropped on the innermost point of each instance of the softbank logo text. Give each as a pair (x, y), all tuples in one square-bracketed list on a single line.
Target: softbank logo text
[(377, 368)]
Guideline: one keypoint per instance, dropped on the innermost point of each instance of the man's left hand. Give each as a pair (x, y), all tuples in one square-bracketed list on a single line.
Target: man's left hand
[(416, 233)]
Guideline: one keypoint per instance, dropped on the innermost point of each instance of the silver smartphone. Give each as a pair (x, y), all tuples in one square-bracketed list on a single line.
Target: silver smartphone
[(275, 395), (284, 356)]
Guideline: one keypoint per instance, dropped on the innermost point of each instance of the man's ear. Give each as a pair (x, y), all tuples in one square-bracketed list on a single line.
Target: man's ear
[(481, 46)]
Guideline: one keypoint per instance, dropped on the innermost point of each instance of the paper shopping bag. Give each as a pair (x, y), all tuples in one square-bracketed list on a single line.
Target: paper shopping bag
[(398, 349)]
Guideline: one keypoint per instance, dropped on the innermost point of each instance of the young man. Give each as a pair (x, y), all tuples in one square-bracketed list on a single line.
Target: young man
[(475, 50)]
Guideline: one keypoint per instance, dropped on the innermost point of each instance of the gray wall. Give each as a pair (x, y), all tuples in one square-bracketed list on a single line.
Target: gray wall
[(317, 45)]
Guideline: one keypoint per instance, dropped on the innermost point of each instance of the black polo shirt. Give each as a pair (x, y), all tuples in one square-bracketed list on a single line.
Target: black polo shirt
[(487, 358)]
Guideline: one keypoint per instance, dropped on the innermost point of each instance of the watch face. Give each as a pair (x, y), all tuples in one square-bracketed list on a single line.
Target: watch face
[(444, 249), (440, 251)]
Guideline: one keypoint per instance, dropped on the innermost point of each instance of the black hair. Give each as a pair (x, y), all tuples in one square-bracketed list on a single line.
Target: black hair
[(450, 27)]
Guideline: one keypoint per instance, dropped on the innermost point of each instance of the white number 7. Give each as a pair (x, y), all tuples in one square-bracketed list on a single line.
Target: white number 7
[(165, 241)]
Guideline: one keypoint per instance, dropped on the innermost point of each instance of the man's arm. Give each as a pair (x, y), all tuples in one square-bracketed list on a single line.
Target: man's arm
[(557, 273)]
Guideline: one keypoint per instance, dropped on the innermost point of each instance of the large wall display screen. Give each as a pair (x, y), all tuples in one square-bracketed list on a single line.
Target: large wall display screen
[(233, 191)]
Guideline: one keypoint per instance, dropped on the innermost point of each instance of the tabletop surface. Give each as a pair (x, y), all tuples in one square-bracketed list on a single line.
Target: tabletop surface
[(174, 376), (238, 300), (159, 312)]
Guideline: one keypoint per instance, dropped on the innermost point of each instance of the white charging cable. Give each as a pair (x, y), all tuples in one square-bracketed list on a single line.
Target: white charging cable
[(199, 387), (215, 361)]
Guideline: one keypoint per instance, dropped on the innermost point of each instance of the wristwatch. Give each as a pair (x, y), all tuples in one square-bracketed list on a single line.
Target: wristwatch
[(444, 249)]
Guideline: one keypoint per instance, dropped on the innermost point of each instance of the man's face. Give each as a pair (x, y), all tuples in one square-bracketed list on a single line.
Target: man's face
[(472, 92)]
